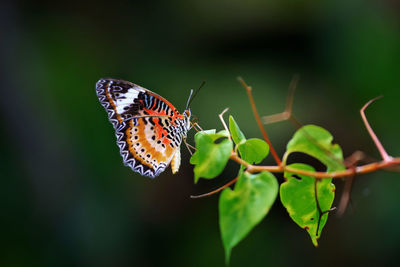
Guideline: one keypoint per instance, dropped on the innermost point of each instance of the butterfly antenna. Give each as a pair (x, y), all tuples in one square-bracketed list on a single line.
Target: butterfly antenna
[(188, 101), (192, 96)]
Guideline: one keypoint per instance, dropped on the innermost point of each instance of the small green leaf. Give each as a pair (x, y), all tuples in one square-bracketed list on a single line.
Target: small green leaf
[(298, 197), (317, 142), (253, 150), (241, 209), (236, 133), (210, 158)]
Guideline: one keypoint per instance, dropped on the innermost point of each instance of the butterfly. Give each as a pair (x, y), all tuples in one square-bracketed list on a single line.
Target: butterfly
[(149, 129)]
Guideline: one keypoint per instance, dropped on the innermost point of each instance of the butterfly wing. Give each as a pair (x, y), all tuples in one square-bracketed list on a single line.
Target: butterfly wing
[(149, 129)]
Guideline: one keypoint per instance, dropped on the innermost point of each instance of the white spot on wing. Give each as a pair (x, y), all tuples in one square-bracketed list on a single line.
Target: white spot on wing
[(130, 96)]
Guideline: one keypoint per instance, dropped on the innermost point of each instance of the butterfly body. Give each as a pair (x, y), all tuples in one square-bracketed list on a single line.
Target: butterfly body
[(149, 129)]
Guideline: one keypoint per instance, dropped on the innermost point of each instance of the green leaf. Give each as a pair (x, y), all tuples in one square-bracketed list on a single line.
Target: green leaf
[(253, 150), (298, 197), (236, 133), (210, 158), (241, 209), (317, 142)]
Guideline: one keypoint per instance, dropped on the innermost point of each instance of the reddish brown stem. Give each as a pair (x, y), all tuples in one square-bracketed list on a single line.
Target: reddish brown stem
[(378, 144), (287, 113), (216, 190), (345, 198), (339, 174), (292, 88), (258, 120), (349, 162)]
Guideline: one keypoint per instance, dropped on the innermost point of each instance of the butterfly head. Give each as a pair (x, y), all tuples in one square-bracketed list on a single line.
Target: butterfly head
[(186, 115), (187, 112)]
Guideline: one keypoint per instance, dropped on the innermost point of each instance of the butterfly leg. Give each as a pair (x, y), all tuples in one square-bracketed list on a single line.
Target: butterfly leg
[(188, 146), (198, 126)]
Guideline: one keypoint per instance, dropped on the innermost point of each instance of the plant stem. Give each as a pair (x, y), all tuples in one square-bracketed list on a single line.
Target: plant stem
[(339, 174), (378, 144), (258, 120), (216, 190)]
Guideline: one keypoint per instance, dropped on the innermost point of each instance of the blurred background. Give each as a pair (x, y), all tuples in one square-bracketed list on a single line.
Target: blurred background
[(66, 198)]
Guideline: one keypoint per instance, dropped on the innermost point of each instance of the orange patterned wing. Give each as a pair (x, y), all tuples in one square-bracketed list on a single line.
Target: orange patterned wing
[(149, 129)]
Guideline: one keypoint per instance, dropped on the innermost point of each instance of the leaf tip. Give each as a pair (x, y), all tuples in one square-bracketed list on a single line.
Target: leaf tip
[(315, 241)]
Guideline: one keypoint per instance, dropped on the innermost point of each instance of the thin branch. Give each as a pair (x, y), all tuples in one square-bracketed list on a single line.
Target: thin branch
[(357, 157), (378, 144), (350, 162), (346, 196), (367, 168), (216, 190), (223, 122), (234, 157), (287, 114), (253, 168), (292, 89), (258, 120), (277, 117)]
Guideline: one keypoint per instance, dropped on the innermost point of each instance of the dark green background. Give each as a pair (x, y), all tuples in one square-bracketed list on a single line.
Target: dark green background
[(66, 198)]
